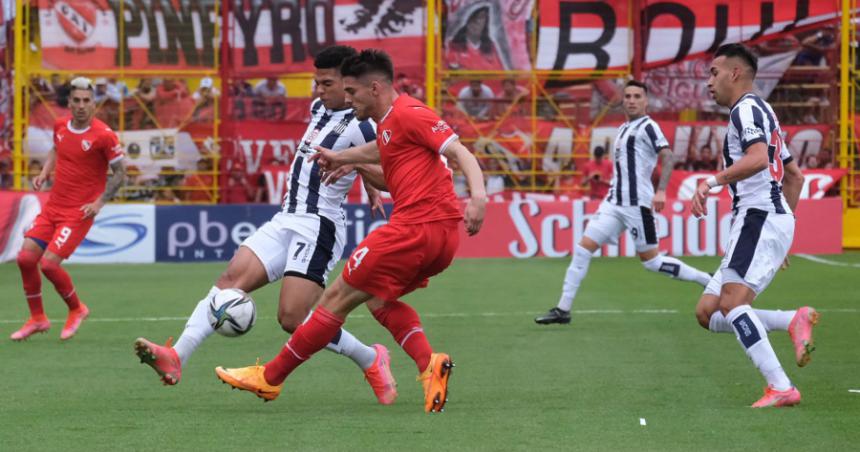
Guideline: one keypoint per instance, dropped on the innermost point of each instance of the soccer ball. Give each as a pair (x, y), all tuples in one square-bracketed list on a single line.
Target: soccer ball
[(232, 312)]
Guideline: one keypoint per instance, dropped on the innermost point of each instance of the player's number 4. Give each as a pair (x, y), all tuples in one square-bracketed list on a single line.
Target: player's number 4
[(357, 257)]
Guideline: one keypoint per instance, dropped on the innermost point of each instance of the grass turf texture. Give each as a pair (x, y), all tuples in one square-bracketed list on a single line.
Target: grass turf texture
[(517, 385)]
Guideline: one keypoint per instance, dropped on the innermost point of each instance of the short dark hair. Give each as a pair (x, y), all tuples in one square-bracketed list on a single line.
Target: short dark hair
[(599, 151), (367, 62), (741, 51), (637, 84), (332, 57)]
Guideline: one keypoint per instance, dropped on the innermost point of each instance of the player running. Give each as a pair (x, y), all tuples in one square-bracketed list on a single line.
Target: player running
[(300, 244), (628, 204), (756, 164), (84, 148), (418, 242)]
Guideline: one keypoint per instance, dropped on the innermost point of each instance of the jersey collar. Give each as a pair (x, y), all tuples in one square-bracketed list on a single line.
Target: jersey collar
[(743, 96), (74, 130)]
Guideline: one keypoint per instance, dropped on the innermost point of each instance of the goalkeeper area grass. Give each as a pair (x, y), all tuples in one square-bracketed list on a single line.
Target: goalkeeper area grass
[(634, 370)]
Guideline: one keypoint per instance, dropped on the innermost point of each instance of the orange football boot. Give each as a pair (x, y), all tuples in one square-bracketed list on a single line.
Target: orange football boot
[(251, 379), (435, 382)]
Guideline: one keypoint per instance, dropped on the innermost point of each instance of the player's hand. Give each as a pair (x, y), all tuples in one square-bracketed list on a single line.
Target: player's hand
[(474, 216), (659, 201), (374, 198), (330, 177), (39, 181), (92, 209), (785, 263), (325, 158), (698, 206)]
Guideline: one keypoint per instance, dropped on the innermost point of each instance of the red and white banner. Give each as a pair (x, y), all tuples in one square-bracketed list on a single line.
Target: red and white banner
[(287, 36), (595, 35), (265, 37), (530, 228)]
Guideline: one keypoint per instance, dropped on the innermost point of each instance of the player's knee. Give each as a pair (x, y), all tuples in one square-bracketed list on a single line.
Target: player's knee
[(290, 321), (49, 266), (703, 315), (27, 259)]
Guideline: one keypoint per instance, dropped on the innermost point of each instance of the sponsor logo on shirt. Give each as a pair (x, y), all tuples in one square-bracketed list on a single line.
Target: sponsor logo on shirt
[(386, 136), (440, 127), (752, 132), (86, 145)]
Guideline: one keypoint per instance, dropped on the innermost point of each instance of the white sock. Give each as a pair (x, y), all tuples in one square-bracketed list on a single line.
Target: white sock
[(772, 321), (753, 338), (197, 329), (676, 269), (575, 273), (347, 345)]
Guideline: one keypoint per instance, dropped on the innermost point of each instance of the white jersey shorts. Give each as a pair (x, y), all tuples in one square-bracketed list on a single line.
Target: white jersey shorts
[(303, 245), (758, 243), (611, 220)]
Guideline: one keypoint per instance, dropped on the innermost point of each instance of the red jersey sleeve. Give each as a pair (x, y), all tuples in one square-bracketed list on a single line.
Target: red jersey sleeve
[(425, 128), (110, 146)]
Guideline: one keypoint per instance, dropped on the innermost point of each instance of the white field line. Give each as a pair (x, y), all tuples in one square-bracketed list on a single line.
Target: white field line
[(437, 315), (824, 261)]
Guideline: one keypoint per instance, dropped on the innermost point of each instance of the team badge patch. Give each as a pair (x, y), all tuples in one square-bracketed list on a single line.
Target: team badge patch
[(386, 136), (86, 145), (440, 127)]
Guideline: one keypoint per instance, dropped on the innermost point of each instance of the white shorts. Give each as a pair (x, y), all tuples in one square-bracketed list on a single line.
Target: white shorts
[(611, 220), (758, 244), (303, 245)]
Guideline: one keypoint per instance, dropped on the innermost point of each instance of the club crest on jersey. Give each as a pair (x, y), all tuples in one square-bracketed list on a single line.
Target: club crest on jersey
[(86, 145), (440, 127), (386, 136)]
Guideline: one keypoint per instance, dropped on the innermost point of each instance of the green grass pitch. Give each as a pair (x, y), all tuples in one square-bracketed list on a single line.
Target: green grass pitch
[(634, 351)]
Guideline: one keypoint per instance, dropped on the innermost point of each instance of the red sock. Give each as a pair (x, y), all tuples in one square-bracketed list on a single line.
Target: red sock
[(405, 326), (309, 338), (62, 282), (28, 263)]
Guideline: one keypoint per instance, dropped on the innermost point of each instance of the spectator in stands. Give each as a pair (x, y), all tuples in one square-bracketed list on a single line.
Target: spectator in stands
[(815, 47), (237, 189), (598, 174), (140, 113), (271, 99), (173, 105), (61, 90), (204, 100), (476, 99), (707, 161), (825, 159), (511, 94), (41, 89), (471, 46), (495, 180), (197, 187), (34, 168), (567, 183), (404, 84)]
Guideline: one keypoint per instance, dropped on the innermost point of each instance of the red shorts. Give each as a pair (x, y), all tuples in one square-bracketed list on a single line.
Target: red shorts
[(399, 258), (61, 235)]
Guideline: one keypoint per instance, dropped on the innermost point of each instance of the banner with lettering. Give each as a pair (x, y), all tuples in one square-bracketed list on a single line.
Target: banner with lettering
[(576, 34)]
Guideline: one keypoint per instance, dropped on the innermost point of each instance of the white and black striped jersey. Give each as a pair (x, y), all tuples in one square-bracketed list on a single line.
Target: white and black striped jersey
[(332, 129), (752, 120), (637, 146)]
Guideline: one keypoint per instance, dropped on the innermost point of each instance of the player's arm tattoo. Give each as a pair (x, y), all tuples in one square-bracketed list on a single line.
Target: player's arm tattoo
[(666, 170), (115, 181)]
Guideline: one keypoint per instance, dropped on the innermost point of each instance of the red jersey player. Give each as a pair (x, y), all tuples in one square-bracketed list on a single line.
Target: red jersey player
[(418, 242), (84, 147)]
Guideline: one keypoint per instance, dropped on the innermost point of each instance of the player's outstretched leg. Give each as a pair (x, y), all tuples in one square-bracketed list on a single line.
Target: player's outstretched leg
[(298, 296), (576, 272), (752, 336), (167, 361), (78, 311), (28, 263), (673, 268)]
